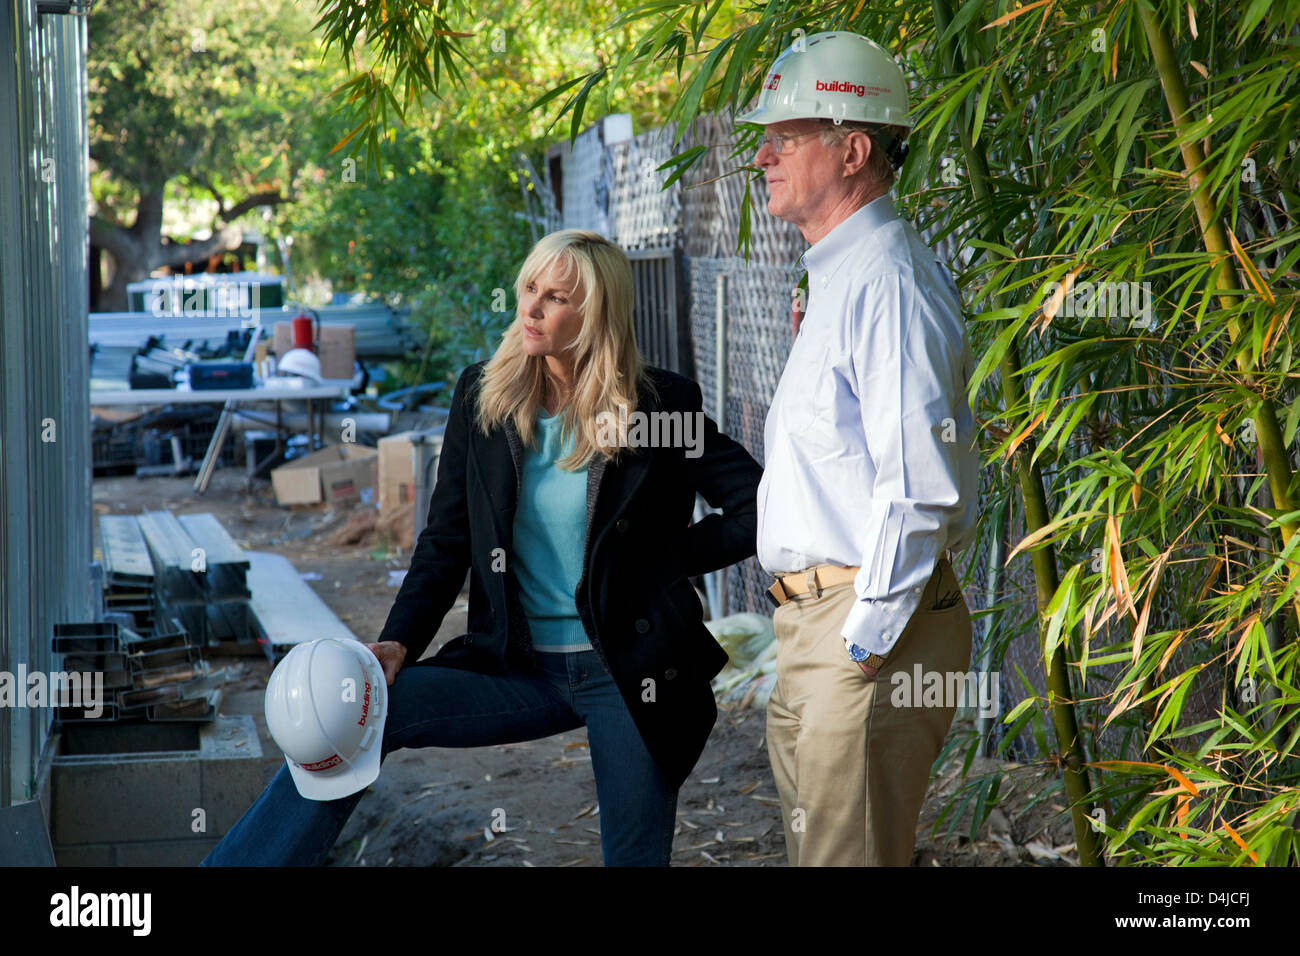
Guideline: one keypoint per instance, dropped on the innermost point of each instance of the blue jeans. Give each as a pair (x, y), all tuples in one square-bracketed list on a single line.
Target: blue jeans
[(432, 706)]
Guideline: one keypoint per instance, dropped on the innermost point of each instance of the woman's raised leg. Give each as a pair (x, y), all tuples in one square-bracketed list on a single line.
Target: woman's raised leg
[(428, 706)]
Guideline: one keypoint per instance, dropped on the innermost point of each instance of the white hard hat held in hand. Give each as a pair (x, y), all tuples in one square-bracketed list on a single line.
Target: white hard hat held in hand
[(326, 704)]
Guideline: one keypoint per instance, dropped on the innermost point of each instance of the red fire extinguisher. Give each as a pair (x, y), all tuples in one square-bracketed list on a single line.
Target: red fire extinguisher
[(303, 335)]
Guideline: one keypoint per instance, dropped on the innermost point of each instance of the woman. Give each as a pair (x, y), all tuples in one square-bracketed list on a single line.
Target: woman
[(572, 518)]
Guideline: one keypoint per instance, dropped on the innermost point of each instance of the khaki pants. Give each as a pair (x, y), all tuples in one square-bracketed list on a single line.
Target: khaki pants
[(851, 767)]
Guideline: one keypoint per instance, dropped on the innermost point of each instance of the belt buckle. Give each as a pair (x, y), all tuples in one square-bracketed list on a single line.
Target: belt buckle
[(771, 593)]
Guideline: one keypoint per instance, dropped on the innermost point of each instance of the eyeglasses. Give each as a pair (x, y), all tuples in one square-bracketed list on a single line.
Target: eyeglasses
[(779, 141)]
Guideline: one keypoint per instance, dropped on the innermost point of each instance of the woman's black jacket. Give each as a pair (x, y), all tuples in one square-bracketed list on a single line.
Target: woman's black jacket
[(640, 612)]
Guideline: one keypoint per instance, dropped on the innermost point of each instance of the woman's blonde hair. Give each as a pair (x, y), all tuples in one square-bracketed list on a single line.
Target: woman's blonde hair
[(607, 363)]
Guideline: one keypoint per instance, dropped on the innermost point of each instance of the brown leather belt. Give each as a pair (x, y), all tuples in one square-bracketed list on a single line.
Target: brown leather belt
[(816, 578)]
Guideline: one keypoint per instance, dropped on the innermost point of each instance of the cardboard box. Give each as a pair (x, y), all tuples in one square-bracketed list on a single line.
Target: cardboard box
[(337, 474), (336, 347), (396, 471), (397, 460)]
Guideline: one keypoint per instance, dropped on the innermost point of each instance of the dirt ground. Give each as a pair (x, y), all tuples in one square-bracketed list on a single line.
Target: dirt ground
[(437, 807)]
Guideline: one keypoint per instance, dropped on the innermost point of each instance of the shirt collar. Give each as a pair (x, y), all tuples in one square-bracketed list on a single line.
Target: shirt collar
[(823, 257)]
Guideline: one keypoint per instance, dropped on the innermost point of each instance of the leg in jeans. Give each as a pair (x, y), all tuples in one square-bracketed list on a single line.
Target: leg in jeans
[(637, 807), (429, 706)]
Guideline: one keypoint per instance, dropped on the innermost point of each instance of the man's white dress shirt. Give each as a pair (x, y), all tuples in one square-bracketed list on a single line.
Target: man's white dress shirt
[(869, 442)]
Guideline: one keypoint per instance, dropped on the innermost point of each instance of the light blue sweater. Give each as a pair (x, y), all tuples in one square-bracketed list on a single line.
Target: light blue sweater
[(549, 534)]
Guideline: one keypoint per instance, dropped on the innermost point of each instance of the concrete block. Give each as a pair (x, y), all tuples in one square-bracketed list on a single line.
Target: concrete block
[(164, 852), (232, 772), (122, 797), (84, 854), (131, 799), (112, 739)]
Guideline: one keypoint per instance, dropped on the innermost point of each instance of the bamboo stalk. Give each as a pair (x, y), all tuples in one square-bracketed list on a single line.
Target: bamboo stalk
[(1060, 697), (1267, 430)]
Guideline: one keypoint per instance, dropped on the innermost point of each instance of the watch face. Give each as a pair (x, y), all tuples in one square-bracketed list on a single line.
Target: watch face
[(857, 653)]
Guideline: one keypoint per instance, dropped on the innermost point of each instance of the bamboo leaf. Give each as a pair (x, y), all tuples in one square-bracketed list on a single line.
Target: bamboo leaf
[(559, 90), (1058, 610), (580, 102), (1251, 18), (1236, 838), (1115, 562), (1248, 267), (343, 142), (1182, 780), (682, 163), (981, 106), (1020, 708), (1036, 536), (1008, 17), (1025, 433)]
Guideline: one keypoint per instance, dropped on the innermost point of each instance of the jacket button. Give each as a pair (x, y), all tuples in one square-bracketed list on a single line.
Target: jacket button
[(670, 673), (620, 524), (642, 625)]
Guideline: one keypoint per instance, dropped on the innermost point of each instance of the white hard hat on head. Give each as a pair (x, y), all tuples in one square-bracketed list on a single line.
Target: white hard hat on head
[(837, 76), (326, 704)]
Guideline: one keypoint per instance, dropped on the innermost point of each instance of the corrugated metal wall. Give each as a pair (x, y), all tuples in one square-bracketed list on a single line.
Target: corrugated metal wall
[(45, 505)]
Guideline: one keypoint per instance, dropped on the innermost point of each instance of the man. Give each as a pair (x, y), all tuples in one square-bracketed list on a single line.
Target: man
[(871, 475)]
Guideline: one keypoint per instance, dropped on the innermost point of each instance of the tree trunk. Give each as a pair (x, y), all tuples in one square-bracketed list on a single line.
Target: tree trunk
[(138, 250)]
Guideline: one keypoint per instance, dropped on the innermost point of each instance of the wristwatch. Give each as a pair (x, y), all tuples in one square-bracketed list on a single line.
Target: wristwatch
[(861, 656)]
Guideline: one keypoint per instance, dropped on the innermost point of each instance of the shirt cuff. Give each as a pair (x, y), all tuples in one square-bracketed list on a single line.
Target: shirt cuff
[(875, 625)]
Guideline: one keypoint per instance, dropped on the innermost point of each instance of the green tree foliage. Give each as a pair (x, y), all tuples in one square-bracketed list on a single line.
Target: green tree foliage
[(444, 240), (481, 68), (191, 100), (413, 190)]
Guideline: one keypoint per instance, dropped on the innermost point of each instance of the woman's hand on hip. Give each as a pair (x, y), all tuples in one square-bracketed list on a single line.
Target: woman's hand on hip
[(391, 655)]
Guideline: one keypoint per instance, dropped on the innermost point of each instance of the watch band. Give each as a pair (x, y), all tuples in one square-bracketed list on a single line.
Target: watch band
[(872, 660)]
